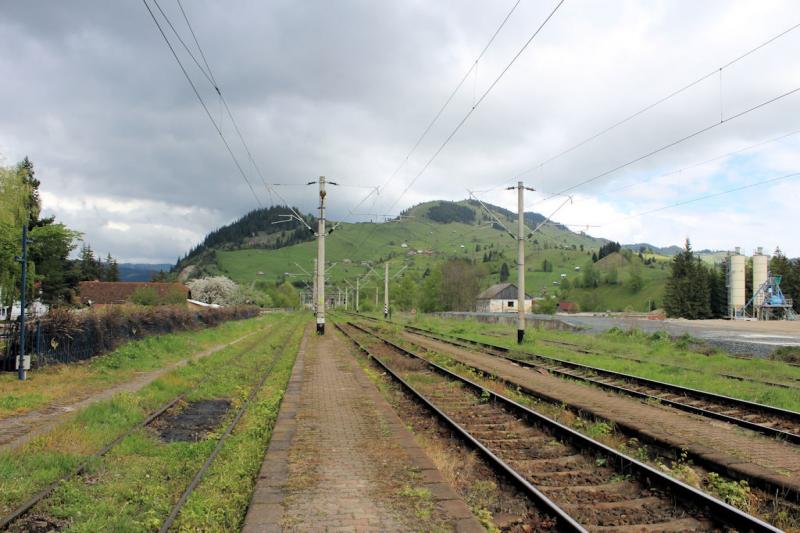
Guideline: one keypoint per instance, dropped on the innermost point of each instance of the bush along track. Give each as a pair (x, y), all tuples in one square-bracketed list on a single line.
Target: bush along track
[(508, 436), (134, 485)]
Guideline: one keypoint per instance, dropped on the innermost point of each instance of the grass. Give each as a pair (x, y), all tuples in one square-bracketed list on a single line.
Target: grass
[(661, 356), (56, 383), (133, 487)]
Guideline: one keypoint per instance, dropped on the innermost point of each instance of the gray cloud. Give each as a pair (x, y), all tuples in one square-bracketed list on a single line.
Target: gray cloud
[(93, 96)]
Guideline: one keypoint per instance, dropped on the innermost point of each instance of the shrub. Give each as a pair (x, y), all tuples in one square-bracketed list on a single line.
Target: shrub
[(67, 336), (788, 354), (216, 290)]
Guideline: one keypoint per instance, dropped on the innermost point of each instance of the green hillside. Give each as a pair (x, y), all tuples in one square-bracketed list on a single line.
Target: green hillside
[(418, 243)]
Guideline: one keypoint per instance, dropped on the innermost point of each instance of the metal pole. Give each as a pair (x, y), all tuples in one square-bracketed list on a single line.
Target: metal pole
[(314, 289), (346, 294), (386, 290), (520, 262), (321, 260), (357, 290), (21, 370)]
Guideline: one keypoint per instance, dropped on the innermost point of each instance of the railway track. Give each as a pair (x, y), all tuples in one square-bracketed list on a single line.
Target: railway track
[(772, 421), (8, 522), (583, 484), (580, 349)]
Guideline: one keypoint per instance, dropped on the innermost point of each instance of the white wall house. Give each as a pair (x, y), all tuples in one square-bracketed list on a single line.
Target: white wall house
[(501, 298)]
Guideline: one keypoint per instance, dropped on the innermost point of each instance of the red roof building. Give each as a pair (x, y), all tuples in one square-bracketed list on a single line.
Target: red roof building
[(567, 307), (119, 292)]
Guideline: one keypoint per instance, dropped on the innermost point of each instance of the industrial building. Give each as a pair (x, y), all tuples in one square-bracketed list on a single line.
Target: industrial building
[(767, 301)]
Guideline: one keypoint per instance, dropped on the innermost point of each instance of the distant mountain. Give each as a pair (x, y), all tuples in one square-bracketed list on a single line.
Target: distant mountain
[(141, 271), (668, 251)]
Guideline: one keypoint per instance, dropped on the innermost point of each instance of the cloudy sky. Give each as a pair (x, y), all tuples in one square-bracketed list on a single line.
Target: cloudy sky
[(343, 89)]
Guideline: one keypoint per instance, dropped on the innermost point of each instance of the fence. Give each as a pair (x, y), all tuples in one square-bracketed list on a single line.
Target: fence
[(67, 337)]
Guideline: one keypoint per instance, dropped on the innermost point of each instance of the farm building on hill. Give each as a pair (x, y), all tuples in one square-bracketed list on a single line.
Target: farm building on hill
[(567, 307), (500, 298), (120, 292)]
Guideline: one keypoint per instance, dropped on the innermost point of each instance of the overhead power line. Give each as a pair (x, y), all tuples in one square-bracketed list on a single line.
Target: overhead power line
[(197, 43), (208, 74), (681, 140), (446, 103), (202, 103), (476, 105), (704, 197), (716, 72), (436, 117), (687, 167)]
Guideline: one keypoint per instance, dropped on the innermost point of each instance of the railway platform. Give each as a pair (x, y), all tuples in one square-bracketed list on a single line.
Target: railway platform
[(340, 459)]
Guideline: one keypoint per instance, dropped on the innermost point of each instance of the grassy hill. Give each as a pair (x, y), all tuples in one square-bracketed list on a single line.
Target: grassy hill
[(417, 242)]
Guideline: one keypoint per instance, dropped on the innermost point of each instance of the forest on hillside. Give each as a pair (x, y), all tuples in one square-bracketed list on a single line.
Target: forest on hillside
[(242, 233)]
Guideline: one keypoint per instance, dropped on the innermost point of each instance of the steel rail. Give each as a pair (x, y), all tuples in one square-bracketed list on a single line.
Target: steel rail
[(198, 477), (563, 520), (580, 349), (772, 486), (26, 506), (718, 510), (645, 382)]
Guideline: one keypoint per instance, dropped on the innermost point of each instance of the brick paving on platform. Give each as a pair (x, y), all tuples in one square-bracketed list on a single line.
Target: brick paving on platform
[(340, 458)]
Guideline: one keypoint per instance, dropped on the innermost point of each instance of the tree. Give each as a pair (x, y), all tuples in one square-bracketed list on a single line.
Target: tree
[(504, 273), (216, 290), (608, 249), (789, 270), (405, 294), (33, 203), (89, 267), (635, 281), (445, 212), (589, 277), (718, 292), (688, 292), (430, 297), (460, 285), (110, 269), (49, 251)]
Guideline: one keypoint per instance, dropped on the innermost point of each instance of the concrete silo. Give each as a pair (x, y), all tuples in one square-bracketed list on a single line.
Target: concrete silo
[(760, 268), (736, 299)]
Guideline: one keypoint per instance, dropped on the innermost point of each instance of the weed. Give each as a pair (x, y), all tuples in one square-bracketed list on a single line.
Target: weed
[(736, 493), (787, 354), (599, 429), (420, 500), (485, 396)]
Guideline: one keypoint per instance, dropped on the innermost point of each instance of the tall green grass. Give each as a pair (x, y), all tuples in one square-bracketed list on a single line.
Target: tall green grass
[(135, 480)]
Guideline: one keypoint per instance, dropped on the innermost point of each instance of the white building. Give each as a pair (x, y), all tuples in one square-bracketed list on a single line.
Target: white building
[(501, 298)]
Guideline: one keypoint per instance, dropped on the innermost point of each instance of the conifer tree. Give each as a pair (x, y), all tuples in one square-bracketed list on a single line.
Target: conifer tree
[(504, 273)]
